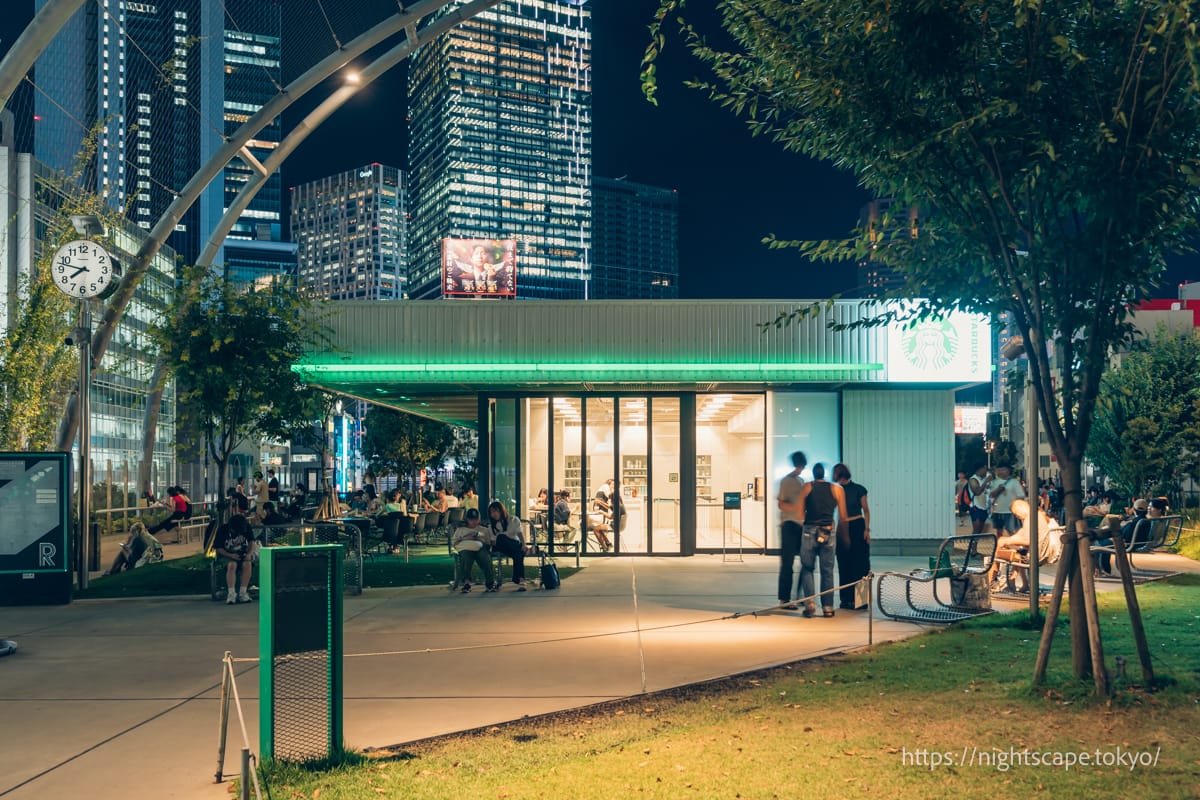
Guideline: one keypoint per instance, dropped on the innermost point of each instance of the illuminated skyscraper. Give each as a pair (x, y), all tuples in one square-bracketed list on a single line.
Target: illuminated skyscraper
[(500, 144), (349, 229), (158, 84)]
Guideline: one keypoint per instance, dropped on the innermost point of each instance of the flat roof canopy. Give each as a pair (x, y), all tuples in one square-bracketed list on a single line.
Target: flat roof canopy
[(434, 357)]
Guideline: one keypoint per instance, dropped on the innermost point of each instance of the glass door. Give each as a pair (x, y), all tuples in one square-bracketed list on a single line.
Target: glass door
[(634, 483), (664, 471), (599, 474)]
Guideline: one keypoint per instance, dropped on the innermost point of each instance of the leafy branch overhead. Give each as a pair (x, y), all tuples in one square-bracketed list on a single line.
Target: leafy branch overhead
[(1051, 150)]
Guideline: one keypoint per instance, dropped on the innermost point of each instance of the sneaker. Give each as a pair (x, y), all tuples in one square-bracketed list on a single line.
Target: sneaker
[(243, 596), (521, 587), (230, 597), (492, 588), (466, 589)]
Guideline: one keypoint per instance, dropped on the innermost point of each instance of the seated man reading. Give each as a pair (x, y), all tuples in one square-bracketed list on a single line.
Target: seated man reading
[(472, 545)]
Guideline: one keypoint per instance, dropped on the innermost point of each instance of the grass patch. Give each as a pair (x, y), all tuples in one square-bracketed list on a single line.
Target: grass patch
[(1189, 541), (190, 575), (838, 727)]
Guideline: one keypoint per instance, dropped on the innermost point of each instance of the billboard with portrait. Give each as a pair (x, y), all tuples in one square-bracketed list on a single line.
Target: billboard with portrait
[(479, 267)]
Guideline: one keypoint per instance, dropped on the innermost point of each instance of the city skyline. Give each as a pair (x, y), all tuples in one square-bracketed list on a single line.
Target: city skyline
[(733, 189)]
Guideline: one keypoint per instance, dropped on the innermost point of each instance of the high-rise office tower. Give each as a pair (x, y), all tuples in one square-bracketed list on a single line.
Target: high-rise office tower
[(349, 229), (882, 218), (500, 145), (135, 97), (635, 240)]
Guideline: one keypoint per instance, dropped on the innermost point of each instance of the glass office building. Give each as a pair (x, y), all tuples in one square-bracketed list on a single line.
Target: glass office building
[(350, 231), (500, 144), (32, 196), (635, 241)]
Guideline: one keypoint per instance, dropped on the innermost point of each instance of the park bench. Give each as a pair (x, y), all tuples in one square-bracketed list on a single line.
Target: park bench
[(932, 595), (305, 533), (186, 528), (1151, 535)]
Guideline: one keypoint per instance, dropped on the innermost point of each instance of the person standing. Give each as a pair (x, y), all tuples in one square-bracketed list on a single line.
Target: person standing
[(1004, 490), (854, 536), (272, 487), (819, 499), (261, 493), (978, 486), (508, 540), (791, 526)]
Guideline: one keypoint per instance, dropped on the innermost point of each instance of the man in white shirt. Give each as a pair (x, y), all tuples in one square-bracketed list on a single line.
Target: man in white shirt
[(1004, 490)]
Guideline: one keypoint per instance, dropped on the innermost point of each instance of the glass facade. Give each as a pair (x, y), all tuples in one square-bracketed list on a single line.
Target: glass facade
[(644, 473), (122, 379), (350, 232), (635, 241), (500, 144)]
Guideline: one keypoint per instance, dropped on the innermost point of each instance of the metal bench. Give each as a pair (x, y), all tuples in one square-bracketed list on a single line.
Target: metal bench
[(1151, 535), (349, 536), (926, 595)]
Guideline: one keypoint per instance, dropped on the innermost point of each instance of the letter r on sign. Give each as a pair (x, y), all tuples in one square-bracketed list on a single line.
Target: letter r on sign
[(46, 553)]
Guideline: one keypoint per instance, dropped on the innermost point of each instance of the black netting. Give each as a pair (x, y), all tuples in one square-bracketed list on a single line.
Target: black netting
[(920, 598), (301, 705), (349, 536)]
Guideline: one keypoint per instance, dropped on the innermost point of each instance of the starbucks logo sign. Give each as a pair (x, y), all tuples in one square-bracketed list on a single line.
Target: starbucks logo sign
[(930, 346), (956, 348)]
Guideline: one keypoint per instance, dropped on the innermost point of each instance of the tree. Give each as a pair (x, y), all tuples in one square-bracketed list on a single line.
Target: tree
[(1146, 436), (303, 417), (233, 353), (1051, 148), (37, 370), (403, 443)]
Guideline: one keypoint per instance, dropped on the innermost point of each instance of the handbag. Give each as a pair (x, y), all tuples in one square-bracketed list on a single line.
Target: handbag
[(549, 575), (940, 568), (862, 593)]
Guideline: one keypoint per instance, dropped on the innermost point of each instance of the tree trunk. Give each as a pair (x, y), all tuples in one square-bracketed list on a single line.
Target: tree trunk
[(1081, 656), (150, 420)]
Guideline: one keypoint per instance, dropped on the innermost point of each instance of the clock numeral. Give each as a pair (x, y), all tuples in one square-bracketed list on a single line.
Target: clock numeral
[(63, 280)]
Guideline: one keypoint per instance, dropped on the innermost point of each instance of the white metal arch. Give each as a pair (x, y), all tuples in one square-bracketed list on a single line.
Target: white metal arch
[(406, 19), (266, 168)]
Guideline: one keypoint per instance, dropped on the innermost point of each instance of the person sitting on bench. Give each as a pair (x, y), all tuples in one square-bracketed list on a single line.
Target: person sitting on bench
[(180, 507)]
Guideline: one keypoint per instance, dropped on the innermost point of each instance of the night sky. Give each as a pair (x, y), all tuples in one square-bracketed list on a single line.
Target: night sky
[(733, 189)]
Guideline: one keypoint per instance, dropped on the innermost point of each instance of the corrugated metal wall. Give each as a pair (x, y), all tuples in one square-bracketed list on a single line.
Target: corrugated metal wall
[(900, 445), (600, 332)]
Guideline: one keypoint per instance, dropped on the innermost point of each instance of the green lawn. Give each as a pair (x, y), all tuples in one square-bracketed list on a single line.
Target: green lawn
[(429, 566), (840, 727)]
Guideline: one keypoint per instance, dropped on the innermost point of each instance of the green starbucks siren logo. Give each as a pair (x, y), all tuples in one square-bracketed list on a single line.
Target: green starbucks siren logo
[(930, 345)]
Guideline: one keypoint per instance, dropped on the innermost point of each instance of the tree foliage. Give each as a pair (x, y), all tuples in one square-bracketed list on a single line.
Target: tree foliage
[(232, 353), (1146, 436), (404, 443), (1052, 149), (38, 372)]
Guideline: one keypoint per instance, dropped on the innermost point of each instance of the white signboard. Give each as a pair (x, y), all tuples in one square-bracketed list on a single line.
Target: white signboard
[(954, 349)]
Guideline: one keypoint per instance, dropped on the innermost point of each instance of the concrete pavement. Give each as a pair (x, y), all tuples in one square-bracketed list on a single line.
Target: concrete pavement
[(119, 698)]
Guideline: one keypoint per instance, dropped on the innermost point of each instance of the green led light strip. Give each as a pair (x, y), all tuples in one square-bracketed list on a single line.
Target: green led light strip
[(411, 370)]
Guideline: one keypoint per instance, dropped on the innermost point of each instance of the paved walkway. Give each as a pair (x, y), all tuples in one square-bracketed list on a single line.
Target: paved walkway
[(119, 698)]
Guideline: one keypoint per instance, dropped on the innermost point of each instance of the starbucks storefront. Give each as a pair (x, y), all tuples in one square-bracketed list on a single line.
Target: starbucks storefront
[(671, 407)]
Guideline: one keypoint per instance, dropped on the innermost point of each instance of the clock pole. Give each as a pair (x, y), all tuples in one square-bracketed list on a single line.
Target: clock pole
[(85, 440), (84, 269)]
